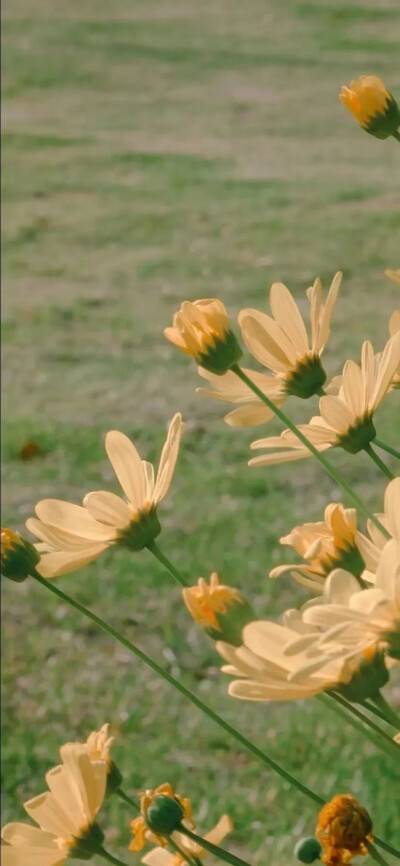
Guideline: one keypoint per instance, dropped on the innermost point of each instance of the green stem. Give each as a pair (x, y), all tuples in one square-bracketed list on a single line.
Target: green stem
[(127, 799), (112, 632), (155, 550), (337, 477), (376, 855), (372, 709), (213, 849), (396, 135), (186, 858), (388, 448), (380, 464), (387, 710), (109, 857), (378, 737)]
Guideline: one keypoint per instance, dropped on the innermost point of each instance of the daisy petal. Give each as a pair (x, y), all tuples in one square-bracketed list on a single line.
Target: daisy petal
[(127, 466)]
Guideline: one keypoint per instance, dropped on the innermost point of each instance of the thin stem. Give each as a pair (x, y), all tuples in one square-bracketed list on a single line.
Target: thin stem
[(127, 799), (380, 464), (387, 710), (213, 849), (372, 709), (112, 632), (376, 855), (186, 858), (334, 702), (388, 448), (109, 857), (155, 550), (337, 477)]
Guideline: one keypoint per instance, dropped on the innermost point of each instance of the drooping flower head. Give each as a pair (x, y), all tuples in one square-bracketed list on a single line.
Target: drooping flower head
[(344, 830), (345, 420), (65, 814), (219, 609), (73, 535), (162, 812), (202, 330), (280, 342), (161, 857), (325, 545), (372, 105)]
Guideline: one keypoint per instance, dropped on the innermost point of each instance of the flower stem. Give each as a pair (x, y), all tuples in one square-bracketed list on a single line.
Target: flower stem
[(378, 737), (380, 464), (155, 550), (127, 799), (337, 477), (112, 632), (372, 709), (376, 855), (213, 849), (387, 711), (388, 448), (109, 857)]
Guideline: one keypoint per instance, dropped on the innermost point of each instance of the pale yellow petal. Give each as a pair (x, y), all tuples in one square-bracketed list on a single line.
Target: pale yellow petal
[(65, 561), (336, 414), (127, 466), (73, 519), (47, 812), (287, 314), (108, 508), (326, 314), (389, 363), (89, 778), (251, 415), (265, 340), (392, 507), (168, 458), (158, 857)]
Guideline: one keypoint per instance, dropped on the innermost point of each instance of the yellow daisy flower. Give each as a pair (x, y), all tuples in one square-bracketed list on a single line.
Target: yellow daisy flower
[(353, 618), (65, 814), (345, 421), (274, 664), (281, 342), (325, 545), (344, 830), (72, 535), (219, 609), (372, 105), (162, 812), (161, 857), (230, 389), (202, 329)]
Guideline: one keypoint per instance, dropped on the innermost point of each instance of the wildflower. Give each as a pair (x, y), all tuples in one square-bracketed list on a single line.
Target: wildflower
[(219, 609), (371, 548), (65, 815), (98, 746), (281, 343), (344, 829), (345, 421), (73, 536), (326, 545), (230, 389), (202, 330), (162, 812), (372, 105), (162, 857), (269, 672), (18, 556), (355, 618)]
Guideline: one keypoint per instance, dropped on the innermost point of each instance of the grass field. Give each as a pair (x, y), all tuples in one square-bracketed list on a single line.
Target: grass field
[(156, 151)]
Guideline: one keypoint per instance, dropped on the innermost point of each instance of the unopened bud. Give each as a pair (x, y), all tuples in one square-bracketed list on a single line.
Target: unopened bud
[(308, 849), (18, 556), (219, 609)]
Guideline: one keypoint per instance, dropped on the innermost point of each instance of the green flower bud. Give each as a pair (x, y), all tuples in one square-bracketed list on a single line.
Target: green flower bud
[(18, 556), (219, 609), (308, 849), (164, 815)]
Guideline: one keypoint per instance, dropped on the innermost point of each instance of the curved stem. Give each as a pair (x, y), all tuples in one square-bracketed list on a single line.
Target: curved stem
[(337, 477), (109, 857), (388, 448), (390, 715), (380, 464), (112, 632), (213, 849), (155, 550), (127, 799), (376, 855), (379, 738)]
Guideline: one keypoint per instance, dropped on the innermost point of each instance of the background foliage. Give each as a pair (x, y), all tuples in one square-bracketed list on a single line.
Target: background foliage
[(155, 151)]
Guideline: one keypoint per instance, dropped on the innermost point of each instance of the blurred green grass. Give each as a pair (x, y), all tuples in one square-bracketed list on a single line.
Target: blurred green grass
[(154, 152)]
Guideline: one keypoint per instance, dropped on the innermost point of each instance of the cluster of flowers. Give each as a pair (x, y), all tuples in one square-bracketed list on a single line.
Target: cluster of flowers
[(344, 641)]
